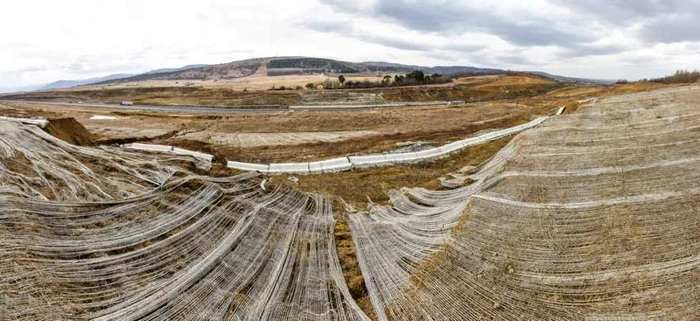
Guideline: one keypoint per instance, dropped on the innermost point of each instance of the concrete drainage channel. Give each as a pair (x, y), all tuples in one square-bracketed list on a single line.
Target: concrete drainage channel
[(384, 105), (41, 122), (347, 163), (203, 160), (329, 165)]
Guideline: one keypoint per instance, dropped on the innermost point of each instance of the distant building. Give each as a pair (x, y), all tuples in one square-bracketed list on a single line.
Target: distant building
[(127, 103)]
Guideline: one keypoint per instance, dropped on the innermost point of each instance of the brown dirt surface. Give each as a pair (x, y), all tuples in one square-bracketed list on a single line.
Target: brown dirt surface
[(69, 130), (436, 124), (348, 261), (187, 96), (510, 80), (364, 145), (433, 125), (481, 89)]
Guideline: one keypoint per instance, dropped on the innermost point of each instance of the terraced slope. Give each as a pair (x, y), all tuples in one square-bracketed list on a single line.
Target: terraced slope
[(102, 234), (591, 216)]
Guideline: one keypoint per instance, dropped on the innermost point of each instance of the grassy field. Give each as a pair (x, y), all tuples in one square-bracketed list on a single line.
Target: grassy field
[(257, 94)]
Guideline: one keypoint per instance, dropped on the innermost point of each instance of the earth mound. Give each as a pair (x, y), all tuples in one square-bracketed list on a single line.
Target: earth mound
[(69, 130)]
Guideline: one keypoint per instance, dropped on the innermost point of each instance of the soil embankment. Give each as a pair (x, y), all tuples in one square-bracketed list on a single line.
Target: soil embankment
[(69, 130)]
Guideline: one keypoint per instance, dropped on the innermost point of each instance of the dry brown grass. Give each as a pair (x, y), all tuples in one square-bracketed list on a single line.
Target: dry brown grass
[(188, 96), (362, 145), (491, 88), (518, 80), (254, 82), (580, 92), (348, 261), (357, 186)]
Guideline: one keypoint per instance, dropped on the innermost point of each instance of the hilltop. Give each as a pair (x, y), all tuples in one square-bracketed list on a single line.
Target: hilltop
[(290, 66), (276, 67)]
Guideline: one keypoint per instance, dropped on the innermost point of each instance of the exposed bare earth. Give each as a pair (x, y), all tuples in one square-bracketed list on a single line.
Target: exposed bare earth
[(310, 135), (273, 139), (502, 87), (589, 216)]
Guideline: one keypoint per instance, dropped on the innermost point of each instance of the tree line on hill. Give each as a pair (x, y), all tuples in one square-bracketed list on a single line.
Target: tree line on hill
[(415, 77), (680, 77)]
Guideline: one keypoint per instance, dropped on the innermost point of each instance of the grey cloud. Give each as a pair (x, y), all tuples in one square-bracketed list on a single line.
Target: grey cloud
[(392, 42), (674, 28), (462, 47), (624, 12), (539, 34), (638, 60), (589, 50), (90, 65), (455, 17), (424, 17), (328, 26), (345, 29), (442, 56), (33, 69), (514, 60), (693, 46), (660, 21)]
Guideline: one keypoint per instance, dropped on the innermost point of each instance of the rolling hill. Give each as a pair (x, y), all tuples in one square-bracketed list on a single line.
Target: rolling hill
[(279, 66), (72, 83)]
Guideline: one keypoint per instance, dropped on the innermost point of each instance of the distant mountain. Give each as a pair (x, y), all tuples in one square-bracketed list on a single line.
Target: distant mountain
[(60, 84), (572, 79), (168, 70), (72, 83), (274, 66), (115, 77), (231, 70), (451, 70), (20, 89), (443, 70)]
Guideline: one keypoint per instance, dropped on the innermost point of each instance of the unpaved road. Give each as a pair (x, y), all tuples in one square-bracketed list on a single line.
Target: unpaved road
[(275, 139), (227, 110), (189, 109)]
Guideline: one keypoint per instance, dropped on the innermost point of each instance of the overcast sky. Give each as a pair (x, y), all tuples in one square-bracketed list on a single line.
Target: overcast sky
[(43, 41)]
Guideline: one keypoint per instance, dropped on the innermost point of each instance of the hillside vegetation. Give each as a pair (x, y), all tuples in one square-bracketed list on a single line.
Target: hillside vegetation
[(680, 77), (311, 64), (502, 87)]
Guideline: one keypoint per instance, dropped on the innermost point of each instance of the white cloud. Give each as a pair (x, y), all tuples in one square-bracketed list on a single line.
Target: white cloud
[(48, 40)]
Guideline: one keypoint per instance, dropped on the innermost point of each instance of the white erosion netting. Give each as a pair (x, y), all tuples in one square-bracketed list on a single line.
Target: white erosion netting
[(177, 246), (591, 216), (392, 241), (35, 164)]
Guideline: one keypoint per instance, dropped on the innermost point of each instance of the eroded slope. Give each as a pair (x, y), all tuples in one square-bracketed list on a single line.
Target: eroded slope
[(88, 233), (591, 216)]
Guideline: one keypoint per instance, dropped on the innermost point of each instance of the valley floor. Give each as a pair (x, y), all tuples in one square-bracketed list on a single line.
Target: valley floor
[(589, 216)]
